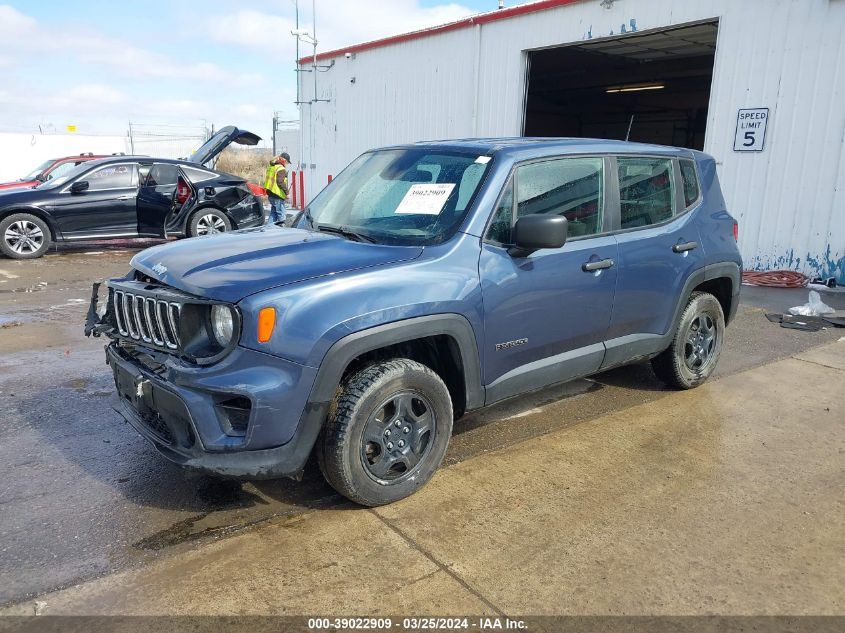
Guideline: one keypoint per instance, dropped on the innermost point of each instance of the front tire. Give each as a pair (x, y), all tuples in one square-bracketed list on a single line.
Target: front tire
[(697, 344), (24, 236), (388, 432), (208, 221)]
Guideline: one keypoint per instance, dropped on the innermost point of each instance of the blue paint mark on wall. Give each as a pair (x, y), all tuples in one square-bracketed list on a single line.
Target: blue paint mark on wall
[(824, 265), (630, 28)]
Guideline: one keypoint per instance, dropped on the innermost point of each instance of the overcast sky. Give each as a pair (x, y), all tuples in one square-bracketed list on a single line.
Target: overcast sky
[(98, 65)]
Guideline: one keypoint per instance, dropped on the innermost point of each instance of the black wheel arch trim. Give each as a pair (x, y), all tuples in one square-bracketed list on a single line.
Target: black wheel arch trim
[(289, 459), (347, 349), (729, 270), (628, 349), (56, 234)]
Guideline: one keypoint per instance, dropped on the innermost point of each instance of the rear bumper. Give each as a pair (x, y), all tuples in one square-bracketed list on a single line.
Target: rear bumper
[(178, 410)]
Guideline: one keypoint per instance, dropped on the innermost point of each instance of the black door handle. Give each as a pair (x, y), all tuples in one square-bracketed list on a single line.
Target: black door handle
[(686, 246), (590, 267)]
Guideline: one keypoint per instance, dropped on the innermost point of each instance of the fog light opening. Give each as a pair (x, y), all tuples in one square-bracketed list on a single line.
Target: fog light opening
[(234, 415)]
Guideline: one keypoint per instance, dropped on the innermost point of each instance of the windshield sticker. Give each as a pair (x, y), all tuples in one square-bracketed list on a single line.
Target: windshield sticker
[(483, 160), (425, 199)]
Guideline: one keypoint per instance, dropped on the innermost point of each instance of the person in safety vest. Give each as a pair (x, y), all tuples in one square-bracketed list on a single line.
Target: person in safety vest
[(276, 184)]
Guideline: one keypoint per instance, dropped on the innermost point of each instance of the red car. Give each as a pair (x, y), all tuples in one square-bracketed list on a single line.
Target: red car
[(49, 169)]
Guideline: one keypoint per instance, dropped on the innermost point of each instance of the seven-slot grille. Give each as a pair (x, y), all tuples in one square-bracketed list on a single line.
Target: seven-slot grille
[(147, 319)]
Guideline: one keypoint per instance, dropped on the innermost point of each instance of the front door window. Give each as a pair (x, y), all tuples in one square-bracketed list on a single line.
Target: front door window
[(111, 177), (571, 187)]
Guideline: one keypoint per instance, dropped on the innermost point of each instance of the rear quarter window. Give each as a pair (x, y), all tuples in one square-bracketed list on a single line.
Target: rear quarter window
[(197, 175), (690, 182)]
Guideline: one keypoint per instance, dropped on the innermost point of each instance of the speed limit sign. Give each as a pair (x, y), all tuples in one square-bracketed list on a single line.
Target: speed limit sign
[(751, 130)]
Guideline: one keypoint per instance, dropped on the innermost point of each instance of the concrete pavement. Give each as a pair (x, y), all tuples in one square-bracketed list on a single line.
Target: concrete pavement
[(726, 499), (83, 495)]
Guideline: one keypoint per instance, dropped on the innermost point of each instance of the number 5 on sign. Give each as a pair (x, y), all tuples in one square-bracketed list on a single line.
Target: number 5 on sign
[(751, 130)]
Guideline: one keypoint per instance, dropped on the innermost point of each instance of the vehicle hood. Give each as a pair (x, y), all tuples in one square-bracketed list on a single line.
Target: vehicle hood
[(20, 195), (220, 141), (231, 266), (17, 184)]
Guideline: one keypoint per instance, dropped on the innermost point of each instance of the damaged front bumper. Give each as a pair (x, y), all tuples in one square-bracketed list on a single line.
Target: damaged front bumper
[(97, 323), (247, 416)]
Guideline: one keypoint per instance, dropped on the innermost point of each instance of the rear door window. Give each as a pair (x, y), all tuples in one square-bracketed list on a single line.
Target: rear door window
[(160, 175), (646, 191), (690, 182)]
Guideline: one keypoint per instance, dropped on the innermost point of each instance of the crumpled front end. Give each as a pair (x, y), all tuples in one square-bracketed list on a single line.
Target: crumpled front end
[(245, 414)]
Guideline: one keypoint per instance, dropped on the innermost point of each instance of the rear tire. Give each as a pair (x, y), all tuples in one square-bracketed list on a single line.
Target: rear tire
[(388, 432), (24, 236), (208, 221), (696, 346)]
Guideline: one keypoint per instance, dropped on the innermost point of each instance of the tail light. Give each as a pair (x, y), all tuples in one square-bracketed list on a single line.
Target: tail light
[(256, 190), (183, 191), (736, 231)]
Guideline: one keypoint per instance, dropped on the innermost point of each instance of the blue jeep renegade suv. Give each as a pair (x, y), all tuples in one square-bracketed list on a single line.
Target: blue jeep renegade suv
[(425, 281)]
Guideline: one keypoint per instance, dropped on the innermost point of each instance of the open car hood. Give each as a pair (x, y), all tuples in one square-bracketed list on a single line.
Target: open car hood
[(221, 139), (231, 266)]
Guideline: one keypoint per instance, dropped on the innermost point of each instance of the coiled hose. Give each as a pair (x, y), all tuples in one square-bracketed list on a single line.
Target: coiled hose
[(775, 278)]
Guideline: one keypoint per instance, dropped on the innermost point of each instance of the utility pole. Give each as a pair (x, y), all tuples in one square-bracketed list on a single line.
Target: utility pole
[(310, 38)]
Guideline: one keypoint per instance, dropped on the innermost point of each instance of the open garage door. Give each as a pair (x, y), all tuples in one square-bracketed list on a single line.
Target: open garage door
[(652, 87)]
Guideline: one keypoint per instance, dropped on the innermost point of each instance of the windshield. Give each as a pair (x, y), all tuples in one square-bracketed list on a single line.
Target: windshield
[(399, 196), (35, 172), (73, 173)]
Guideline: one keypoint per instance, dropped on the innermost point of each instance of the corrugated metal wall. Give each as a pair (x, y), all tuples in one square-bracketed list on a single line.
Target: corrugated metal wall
[(787, 55)]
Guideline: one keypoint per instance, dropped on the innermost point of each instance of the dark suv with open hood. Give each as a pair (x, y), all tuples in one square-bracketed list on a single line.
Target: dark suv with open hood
[(425, 281), (131, 196)]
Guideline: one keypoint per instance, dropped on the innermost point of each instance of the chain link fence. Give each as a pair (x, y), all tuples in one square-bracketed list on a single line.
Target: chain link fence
[(166, 141)]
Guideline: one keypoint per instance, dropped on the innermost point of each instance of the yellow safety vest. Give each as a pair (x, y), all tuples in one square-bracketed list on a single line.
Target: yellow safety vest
[(270, 183)]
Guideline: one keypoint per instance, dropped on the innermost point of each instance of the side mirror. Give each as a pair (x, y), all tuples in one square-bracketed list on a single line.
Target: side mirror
[(533, 232), (41, 178), (79, 186)]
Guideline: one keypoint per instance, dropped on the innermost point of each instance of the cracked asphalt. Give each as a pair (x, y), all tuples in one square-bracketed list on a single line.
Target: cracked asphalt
[(82, 495)]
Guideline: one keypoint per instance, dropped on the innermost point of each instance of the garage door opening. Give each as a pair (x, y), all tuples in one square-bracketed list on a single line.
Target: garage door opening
[(652, 88)]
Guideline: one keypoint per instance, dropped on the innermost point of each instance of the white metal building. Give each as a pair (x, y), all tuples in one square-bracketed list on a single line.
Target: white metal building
[(759, 84)]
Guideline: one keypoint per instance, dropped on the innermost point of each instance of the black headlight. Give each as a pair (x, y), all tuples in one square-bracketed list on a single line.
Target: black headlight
[(209, 331)]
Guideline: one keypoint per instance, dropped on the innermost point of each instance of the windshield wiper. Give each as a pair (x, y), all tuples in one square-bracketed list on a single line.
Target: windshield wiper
[(344, 232)]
